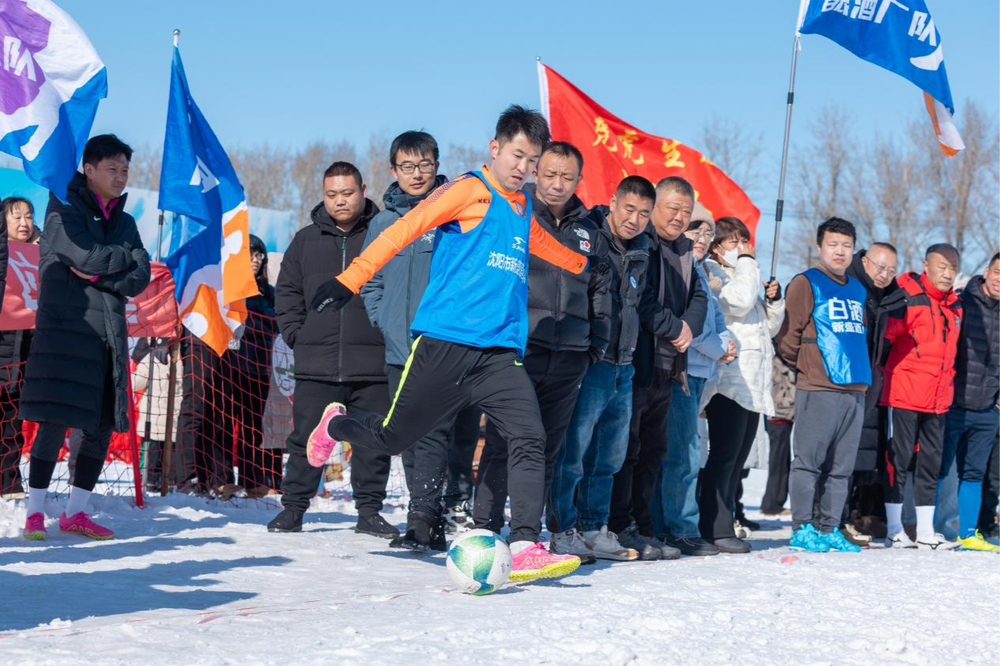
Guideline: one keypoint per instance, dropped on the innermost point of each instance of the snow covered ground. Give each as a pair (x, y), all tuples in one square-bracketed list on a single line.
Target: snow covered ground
[(190, 583)]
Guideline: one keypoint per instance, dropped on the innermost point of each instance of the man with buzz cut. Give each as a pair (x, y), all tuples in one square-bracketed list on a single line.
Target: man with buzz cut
[(338, 355), (597, 439), (470, 330), (824, 339)]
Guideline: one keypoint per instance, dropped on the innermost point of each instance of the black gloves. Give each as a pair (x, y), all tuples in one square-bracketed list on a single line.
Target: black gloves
[(332, 294)]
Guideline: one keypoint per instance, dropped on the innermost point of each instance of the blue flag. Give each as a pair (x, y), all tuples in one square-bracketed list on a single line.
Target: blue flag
[(209, 254), (51, 81), (897, 35)]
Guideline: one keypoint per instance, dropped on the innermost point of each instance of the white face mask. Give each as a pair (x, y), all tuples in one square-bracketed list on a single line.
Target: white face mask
[(731, 256)]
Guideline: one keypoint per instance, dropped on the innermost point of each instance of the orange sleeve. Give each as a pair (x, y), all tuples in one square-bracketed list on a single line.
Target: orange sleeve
[(544, 246), (441, 207)]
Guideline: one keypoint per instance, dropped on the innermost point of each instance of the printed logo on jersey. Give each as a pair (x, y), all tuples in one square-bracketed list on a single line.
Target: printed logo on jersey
[(519, 245), (585, 245), (582, 233)]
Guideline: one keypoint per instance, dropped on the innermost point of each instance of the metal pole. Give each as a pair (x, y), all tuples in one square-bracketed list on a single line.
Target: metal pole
[(150, 386), (784, 158), (168, 442)]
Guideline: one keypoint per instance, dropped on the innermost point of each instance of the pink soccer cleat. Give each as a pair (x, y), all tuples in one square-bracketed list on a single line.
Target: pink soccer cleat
[(320, 444), (536, 562), (80, 523), (34, 527)]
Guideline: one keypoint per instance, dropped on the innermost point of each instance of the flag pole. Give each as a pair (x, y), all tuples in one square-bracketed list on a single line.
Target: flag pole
[(779, 207), (148, 429)]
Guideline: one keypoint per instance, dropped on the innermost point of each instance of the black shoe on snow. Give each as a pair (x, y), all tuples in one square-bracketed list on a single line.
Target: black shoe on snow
[(286, 521), (732, 545), (630, 538), (375, 525), (418, 535), (692, 546)]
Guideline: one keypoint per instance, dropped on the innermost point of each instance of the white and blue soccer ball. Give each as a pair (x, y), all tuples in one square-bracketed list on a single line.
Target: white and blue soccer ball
[(479, 562)]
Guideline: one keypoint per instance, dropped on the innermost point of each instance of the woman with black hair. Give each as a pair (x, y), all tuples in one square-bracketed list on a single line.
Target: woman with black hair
[(18, 217), (248, 370), (741, 392)]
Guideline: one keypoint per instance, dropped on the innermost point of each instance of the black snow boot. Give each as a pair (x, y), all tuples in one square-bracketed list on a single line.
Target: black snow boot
[(375, 525), (286, 521)]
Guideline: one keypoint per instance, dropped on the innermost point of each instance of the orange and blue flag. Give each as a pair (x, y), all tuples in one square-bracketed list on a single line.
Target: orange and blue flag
[(209, 254)]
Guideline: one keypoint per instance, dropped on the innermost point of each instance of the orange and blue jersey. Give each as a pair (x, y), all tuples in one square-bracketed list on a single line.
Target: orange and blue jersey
[(477, 293)]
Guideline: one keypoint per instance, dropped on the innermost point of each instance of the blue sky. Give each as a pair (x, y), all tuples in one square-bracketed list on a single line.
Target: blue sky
[(297, 70), (293, 71)]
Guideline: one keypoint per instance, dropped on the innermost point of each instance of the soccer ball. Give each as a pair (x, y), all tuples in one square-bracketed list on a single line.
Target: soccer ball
[(479, 562)]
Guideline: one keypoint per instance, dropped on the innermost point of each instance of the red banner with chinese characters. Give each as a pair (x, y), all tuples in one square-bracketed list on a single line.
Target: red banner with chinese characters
[(153, 313), (612, 149)]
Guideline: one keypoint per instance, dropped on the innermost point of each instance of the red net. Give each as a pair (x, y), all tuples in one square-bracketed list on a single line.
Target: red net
[(204, 425)]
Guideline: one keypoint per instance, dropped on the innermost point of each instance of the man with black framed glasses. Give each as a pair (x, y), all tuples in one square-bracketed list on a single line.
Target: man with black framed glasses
[(876, 269), (391, 298)]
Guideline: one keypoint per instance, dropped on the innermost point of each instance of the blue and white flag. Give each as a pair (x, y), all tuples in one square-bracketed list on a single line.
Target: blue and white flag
[(898, 35), (51, 81), (210, 245)]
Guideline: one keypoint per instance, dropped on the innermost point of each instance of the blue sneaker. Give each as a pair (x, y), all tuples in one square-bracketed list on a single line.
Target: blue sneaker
[(838, 542), (807, 538)]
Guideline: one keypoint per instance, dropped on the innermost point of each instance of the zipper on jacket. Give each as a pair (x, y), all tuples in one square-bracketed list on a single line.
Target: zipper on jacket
[(916, 346), (340, 343)]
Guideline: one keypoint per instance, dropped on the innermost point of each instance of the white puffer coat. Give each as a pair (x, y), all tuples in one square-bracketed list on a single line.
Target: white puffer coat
[(752, 323)]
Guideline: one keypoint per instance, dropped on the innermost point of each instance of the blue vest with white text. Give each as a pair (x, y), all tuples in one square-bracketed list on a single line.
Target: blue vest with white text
[(477, 294), (839, 316)]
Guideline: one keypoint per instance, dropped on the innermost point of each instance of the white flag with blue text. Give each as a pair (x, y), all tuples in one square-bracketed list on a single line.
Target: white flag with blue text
[(51, 81)]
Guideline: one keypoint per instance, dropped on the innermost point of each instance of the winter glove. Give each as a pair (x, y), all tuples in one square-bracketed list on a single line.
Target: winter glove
[(332, 294)]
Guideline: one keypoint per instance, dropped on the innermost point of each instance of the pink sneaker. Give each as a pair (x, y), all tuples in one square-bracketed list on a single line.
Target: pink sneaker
[(320, 444), (34, 527), (81, 524), (536, 562)]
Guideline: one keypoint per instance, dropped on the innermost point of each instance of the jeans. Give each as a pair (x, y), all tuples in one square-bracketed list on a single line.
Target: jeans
[(675, 504), (968, 441), (595, 448)]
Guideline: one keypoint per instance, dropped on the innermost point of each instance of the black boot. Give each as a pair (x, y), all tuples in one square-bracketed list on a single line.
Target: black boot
[(288, 520), (439, 541), (375, 525), (422, 530)]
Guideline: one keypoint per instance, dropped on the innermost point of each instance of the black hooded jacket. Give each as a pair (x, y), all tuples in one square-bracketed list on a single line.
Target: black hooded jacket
[(330, 346), (568, 312), (977, 366), (879, 305), (628, 262)]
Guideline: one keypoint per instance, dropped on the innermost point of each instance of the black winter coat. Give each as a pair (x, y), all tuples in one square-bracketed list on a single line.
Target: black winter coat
[(333, 345), (661, 316), (80, 321), (977, 366), (568, 312), (628, 262), (879, 305)]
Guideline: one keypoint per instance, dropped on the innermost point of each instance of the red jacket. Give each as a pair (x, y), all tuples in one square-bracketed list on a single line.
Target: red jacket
[(920, 371)]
